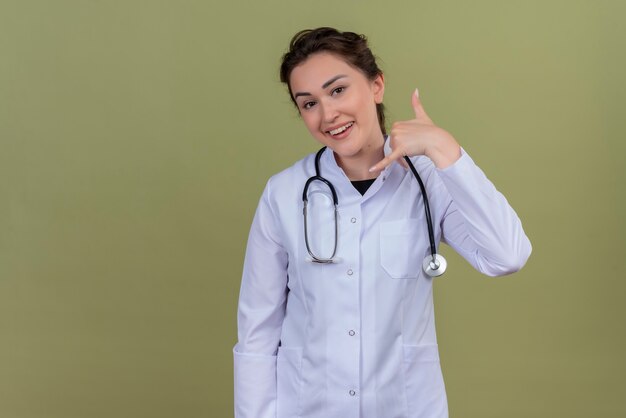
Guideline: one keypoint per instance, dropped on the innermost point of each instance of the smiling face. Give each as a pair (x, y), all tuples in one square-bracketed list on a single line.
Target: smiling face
[(337, 103)]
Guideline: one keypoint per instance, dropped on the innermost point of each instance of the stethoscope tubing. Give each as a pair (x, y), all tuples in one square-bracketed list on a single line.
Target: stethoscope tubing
[(429, 220)]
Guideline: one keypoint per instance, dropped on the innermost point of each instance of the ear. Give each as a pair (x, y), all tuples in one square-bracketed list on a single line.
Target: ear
[(378, 88)]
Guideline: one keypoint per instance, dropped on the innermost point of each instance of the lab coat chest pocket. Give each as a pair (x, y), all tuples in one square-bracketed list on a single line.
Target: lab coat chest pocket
[(425, 390), (288, 374), (399, 248)]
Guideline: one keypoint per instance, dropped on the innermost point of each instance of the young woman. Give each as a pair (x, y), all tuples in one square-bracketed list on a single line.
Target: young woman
[(341, 323)]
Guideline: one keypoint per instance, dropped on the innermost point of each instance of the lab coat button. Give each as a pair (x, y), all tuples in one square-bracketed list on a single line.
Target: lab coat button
[(350, 272), (352, 393), (353, 220), (351, 333)]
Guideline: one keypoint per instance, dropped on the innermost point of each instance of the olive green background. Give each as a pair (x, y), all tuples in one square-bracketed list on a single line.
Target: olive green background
[(136, 138)]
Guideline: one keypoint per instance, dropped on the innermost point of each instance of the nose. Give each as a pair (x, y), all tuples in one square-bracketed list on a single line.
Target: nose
[(329, 111)]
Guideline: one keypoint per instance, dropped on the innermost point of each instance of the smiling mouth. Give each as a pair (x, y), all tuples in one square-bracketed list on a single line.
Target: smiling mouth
[(340, 129)]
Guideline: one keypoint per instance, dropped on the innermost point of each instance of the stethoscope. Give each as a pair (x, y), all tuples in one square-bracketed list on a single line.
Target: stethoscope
[(433, 265)]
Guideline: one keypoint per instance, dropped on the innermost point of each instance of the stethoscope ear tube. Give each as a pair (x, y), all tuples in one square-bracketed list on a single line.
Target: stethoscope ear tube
[(315, 258), (435, 264), (318, 177)]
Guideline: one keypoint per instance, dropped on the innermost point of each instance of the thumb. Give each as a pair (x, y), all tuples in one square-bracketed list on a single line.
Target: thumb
[(420, 113)]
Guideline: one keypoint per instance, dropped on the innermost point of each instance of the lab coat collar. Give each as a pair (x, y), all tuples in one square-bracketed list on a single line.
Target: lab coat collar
[(346, 192)]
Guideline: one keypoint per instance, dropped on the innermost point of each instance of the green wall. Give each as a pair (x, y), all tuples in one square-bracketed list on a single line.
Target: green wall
[(136, 138)]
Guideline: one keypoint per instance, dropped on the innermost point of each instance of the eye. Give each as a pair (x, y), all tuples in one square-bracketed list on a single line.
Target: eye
[(308, 105), (338, 90)]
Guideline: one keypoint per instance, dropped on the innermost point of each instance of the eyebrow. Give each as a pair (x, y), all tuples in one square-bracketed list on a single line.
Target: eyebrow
[(326, 84)]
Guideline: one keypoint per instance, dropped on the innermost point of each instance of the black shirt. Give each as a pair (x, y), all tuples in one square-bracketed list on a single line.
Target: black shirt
[(362, 185)]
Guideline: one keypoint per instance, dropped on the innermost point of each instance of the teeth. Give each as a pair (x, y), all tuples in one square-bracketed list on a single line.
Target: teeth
[(341, 129)]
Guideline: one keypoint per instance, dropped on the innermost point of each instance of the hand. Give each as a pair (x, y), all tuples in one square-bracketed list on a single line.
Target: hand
[(420, 136)]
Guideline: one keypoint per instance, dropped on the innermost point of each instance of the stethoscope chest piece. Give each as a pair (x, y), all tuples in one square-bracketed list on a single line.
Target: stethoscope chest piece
[(434, 267)]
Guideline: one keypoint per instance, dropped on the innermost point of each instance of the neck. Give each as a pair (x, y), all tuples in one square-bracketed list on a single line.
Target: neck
[(357, 166)]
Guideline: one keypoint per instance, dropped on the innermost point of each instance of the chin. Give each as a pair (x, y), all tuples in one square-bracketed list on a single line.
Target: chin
[(346, 151), (345, 148)]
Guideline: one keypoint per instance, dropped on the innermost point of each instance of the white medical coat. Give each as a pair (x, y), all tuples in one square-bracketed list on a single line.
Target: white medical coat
[(356, 338)]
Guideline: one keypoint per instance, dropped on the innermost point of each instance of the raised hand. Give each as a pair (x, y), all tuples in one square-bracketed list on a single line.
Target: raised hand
[(420, 136)]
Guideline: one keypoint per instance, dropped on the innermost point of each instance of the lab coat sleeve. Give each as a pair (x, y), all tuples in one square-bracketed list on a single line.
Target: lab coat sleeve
[(262, 301), (479, 223)]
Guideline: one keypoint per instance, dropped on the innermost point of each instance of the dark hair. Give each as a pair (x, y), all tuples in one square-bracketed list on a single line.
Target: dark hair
[(349, 46)]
